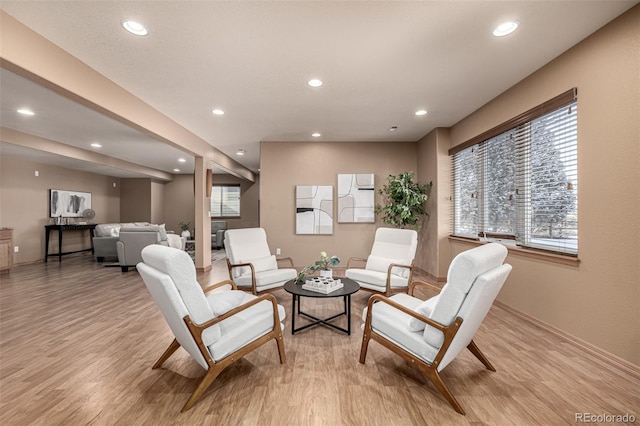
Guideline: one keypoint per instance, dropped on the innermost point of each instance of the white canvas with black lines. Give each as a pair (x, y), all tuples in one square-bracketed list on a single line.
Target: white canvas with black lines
[(314, 209), (68, 203), (356, 198)]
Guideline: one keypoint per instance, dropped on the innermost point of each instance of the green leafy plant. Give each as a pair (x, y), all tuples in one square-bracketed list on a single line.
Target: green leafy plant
[(325, 262), (404, 201), (322, 264), (184, 226)]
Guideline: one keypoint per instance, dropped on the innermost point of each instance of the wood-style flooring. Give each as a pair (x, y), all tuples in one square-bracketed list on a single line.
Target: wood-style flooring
[(78, 341)]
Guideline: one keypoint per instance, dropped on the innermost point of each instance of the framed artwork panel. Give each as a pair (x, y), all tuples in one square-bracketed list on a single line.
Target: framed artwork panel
[(68, 203), (356, 198), (314, 209)]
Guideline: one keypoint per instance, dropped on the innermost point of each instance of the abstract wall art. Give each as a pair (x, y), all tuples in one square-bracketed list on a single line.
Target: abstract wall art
[(68, 203), (314, 209), (356, 197)]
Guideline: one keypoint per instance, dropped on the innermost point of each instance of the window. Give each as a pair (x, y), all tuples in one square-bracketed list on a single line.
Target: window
[(225, 201), (520, 180)]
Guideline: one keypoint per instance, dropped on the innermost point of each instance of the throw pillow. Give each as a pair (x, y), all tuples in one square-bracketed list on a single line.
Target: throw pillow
[(224, 301), (425, 309)]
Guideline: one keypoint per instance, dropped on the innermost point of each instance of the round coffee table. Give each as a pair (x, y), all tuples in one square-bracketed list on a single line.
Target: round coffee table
[(349, 287)]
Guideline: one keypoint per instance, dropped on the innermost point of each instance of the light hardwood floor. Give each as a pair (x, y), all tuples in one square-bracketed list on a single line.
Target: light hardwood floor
[(78, 341)]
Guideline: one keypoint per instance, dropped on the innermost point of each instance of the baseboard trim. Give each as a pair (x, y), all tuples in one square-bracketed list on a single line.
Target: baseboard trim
[(607, 357), (429, 276)]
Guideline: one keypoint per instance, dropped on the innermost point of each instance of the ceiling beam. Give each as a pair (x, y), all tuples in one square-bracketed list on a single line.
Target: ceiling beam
[(32, 56)]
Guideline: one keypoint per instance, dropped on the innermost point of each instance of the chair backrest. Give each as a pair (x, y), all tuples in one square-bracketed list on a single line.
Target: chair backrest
[(395, 245), (475, 309), (170, 277), (244, 245), (477, 271)]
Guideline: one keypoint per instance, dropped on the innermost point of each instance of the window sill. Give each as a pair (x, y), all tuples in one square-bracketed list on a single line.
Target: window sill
[(521, 251)]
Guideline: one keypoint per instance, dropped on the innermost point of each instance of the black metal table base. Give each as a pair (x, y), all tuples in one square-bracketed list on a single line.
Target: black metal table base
[(321, 321)]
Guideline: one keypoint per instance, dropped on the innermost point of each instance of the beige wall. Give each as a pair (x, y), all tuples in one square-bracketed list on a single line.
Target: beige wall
[(286, 164), (135, 200), (599, 300), (157, 202), (434, 165), (178, 202), (24, 203)]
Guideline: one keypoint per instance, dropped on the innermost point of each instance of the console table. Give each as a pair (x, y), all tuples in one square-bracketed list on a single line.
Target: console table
[(61, 229)]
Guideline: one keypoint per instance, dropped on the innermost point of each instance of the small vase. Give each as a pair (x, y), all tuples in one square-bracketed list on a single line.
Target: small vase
[(186, 234), (326, 273)]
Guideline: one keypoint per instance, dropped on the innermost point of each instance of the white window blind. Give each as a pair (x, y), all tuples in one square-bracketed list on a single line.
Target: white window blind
[(522, 183), (225, 201)]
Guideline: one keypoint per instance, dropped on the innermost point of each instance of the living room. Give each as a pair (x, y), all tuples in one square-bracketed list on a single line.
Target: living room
[(592, 302)]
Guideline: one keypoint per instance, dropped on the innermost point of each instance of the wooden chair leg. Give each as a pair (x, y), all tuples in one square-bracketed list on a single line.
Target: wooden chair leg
[(444, 390), (483, 359), (365, 346), (204, 384), (167, 353), (281, 353)]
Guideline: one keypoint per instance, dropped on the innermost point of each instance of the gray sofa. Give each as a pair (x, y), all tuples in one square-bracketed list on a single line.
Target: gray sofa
[(106, 235), (218, 227), (131, 242)]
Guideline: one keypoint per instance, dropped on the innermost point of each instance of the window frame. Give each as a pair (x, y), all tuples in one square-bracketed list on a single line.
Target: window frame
[(225, 185), (522, 121)]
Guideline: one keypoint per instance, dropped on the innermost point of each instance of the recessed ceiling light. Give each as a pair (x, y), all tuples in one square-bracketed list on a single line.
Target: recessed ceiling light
[(96, 145), (505, 28), (314, 82), (25, 111), (176, 170), (217, 111), (182, 160), (316, 135), (421, 112), (134, 27), (240, 152)]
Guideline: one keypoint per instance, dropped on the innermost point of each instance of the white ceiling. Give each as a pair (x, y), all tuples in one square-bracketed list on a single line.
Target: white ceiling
[(380, 61)]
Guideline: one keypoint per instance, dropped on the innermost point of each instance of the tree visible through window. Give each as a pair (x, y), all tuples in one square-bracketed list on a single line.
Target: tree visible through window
[(522, 183), (225, 201)]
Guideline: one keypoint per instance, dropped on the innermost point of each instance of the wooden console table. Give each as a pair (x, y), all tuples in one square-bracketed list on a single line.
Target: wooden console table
[(60, 229)]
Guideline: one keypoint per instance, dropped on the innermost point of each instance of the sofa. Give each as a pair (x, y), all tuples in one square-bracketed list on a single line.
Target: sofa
[(106, 235), (218, 227)]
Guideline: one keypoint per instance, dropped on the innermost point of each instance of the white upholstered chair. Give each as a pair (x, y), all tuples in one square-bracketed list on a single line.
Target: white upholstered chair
[(389, 267), (250, 262), (430, 334), (216, 328)]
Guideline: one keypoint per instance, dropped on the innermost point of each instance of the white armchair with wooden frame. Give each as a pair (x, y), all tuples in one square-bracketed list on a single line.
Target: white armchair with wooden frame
[(217, 325), (430, 334), (250, 262), (389, 267)]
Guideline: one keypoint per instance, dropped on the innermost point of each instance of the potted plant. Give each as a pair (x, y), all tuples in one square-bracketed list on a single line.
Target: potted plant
[(404, 201), (321, 265), (184, 226)]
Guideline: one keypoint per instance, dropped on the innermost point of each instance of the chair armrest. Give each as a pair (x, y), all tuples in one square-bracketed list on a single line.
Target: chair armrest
[(244, 306), (220, 284), (415, 284), (397, 265), (355, 259), (285, 258), (230, 266), (380, 298)]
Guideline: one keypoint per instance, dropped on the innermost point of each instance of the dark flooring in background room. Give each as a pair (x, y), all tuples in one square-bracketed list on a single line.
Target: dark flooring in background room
[(78, 341)]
